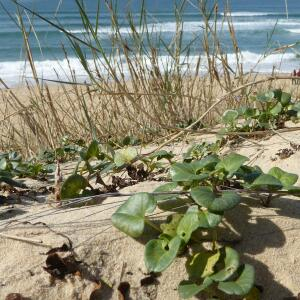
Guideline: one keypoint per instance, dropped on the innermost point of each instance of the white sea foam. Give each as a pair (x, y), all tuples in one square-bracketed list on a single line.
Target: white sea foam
[(293, 30), (197, 26), (14, 72), (248, 14)]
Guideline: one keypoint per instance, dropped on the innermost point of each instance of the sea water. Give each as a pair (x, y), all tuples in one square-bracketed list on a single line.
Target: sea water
[(260, 26)]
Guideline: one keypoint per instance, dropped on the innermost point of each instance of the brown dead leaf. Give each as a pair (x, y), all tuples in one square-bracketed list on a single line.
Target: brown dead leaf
[(123, 290), (59, 267), (16, 296)]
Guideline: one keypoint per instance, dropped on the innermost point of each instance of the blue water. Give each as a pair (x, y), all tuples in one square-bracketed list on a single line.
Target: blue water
[(254, 22)]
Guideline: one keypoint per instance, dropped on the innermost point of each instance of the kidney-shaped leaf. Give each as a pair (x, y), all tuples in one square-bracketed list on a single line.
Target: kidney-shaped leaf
[(159, 255), (187, 289), (266, 97), (185, 172), (202, 264), (209, 162), (72, 186), (287, 179), (188, 224), (205, 197), (93, 150), (267, 182), (231, 162), (208, 219), (162, 154), (167, 187), (242, 285), (170, 229), (231, 263), (130, 217), (285, 98), (229, 116), (125, 156)]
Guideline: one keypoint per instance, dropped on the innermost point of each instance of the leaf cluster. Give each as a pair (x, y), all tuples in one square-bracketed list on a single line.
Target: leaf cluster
[(206, 188), (270, 110)]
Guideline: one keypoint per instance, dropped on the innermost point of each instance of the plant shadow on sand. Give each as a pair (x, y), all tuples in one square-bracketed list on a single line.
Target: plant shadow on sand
[(258, 233)]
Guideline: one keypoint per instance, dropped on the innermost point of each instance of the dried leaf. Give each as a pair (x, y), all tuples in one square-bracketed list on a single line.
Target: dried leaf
[(59, 267), (63, 248), (123, 290)]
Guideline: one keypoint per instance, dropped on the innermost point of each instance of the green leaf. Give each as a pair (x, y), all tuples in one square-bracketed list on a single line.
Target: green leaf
[(3, 164), (266, 182), (285, 98), (202, 265), (125, 156), (205, 197), (168, 187), (185, 172), (229, 116), (266, 97), (187, 289), (170, 229), (242, 285), (159, 255), (188, 224), (208, 163), (73, 186), (276, 110), (208, 219), (93, 150), (162, 154), (177, 204), (130, 217), (287, 179), (231, 163), (231, 263)]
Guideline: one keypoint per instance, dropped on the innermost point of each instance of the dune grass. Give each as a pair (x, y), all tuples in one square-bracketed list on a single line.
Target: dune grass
[(128, 91)]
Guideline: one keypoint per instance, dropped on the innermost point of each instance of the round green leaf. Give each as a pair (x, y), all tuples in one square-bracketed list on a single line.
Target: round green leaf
[(159, 255), (170, 229), (276, 110), (130, 217), (285, 98), (266, 97), (187, 289), (209, 162), (231, 263), (188, 224), (266, 182), (73, 186), (185, 172), (208, 219), (202, 265), (229, 116), (168, 187), (161, 154), (287, 179), (206, 198), (231, 163), (242, 285), (93, 150), (125, 156), (175, 204)]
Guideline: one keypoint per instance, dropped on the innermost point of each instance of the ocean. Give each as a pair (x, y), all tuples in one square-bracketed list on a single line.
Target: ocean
[(258, 24)]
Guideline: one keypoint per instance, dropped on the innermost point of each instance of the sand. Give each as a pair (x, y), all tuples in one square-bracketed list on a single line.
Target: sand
[(270, 240)]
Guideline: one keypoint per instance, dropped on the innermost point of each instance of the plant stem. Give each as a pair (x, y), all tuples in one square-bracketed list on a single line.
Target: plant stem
[(215, 239)]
